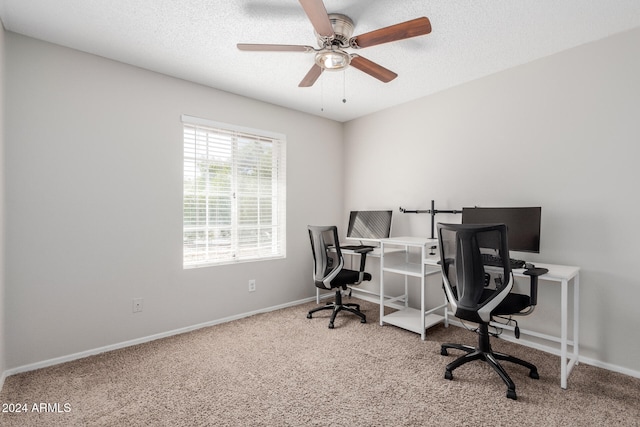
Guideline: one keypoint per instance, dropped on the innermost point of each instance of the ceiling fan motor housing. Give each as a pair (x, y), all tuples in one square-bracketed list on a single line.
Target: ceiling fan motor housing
[(343, 29)]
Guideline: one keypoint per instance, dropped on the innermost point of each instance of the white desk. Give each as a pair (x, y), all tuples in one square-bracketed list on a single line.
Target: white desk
[(405, 263), (565, 276)]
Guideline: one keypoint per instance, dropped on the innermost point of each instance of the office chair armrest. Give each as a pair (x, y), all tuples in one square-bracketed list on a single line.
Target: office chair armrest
[(534, 273), (363, 257)]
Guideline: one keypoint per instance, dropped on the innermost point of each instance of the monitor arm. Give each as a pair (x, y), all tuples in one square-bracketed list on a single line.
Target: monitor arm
[(433, 211)]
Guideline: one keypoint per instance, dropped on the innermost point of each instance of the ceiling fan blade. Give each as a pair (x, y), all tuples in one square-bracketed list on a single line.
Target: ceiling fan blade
[(274, 47), (404, 30), (311, 76), (373, 69), (318, 16)]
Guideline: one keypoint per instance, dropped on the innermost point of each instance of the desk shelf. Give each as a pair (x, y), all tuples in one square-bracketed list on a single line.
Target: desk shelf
[(398, 265), (408, 263), (409, 319)]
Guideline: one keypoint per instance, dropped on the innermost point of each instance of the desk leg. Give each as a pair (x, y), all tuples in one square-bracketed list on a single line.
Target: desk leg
[(381, 283), (563, 333), (423, 326), (576, 317)]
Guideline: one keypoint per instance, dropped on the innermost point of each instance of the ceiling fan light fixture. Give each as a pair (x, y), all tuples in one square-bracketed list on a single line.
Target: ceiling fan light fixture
[(332, 60)]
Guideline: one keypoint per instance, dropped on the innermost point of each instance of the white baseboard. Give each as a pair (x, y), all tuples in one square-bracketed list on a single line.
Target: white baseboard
[(608, 366), (82, 354)]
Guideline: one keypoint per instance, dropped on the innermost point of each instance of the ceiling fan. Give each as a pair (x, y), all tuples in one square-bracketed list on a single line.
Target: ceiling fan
[(334, 33)]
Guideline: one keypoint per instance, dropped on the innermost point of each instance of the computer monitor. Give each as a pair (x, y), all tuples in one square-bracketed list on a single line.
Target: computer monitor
[(369, 225), (523, 224)]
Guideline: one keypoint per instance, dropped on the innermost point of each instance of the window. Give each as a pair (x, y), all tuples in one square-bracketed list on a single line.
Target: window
[(234, 194)]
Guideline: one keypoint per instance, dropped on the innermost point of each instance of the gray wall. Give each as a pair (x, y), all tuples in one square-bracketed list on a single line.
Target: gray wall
[(3, 350), (94, 203), (562, 133)]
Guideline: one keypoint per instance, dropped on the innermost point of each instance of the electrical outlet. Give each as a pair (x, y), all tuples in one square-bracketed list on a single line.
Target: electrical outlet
[(137, 305), (252, 285)]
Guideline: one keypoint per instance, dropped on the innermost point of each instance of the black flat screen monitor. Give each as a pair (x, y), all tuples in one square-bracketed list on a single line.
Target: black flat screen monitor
[(523, 224), (369, 225)]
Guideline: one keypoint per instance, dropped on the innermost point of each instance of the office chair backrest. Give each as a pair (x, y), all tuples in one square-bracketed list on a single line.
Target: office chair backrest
[(327, 257), (464, 276)]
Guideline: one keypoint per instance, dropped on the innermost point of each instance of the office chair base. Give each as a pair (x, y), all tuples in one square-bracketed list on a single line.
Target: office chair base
[(483, 352), (337, 307)]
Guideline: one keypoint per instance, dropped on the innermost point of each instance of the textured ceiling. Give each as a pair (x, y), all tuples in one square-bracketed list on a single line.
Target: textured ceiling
[(196, 40)]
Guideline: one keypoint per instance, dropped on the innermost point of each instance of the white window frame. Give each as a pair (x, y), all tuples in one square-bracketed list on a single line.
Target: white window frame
[(251, 225)]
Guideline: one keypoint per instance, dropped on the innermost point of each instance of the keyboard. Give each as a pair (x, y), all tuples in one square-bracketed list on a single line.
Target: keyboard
[(496, 261)]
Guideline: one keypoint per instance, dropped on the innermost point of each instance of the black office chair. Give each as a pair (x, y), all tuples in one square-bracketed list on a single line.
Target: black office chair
[(329, 271), (475, 298)]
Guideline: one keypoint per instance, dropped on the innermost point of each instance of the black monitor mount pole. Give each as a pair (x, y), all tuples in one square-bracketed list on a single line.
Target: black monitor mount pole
[(433, 211)]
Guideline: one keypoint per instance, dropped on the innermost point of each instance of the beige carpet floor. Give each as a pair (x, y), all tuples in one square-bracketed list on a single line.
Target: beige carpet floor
[(282, 369)]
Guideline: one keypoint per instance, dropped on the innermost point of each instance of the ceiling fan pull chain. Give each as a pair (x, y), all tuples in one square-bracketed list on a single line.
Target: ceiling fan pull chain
[(344, 87), (321, 94)]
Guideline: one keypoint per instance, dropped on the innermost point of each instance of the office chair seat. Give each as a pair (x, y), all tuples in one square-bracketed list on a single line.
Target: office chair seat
[(348, 277), (513, 303)]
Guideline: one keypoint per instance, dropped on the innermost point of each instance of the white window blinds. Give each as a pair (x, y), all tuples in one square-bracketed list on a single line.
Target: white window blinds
[(234, 194)]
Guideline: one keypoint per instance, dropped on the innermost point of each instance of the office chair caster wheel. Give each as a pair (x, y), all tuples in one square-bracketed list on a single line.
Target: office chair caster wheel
[(448, 375), (309, 316), (511, 394), (363, 320), (534, 375), (444, 352), (330, 325)]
